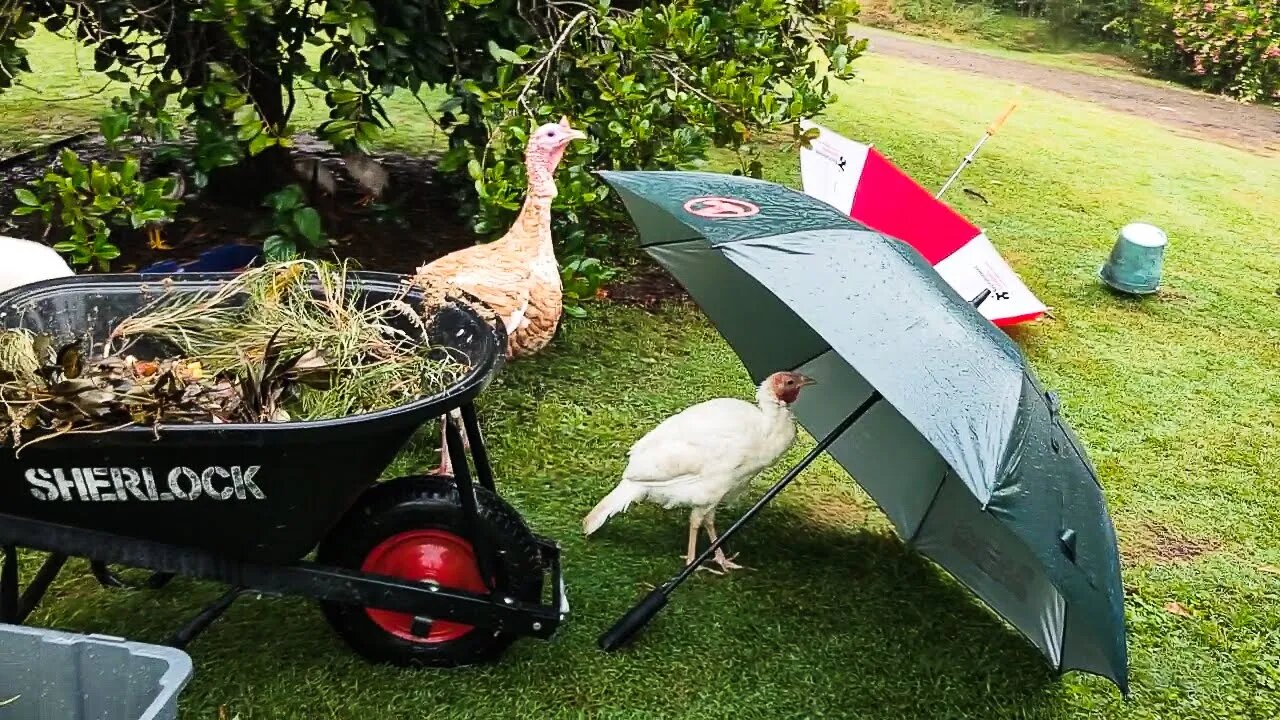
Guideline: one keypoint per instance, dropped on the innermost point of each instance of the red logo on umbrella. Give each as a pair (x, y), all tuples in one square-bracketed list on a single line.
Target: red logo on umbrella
[(720, 207)]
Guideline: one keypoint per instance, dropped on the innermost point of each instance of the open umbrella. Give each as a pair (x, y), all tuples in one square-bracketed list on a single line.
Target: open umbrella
[(930, 407)]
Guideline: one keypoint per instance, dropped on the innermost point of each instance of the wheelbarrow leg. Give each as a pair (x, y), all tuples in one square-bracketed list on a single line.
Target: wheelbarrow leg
[(9, 585), (446, 455), (471, 434), (36, 589), (490, 569), (201, 622)]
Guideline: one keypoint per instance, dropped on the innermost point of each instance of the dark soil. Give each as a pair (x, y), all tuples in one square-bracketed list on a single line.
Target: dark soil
[(647, 286), (1150, 543), (415, 222)]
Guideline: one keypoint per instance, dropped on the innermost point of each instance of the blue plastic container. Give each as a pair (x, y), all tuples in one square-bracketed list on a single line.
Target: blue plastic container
[(1137, 260), (54, 675)]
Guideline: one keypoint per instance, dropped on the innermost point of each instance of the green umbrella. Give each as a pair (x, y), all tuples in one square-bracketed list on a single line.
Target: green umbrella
[(931, 408)]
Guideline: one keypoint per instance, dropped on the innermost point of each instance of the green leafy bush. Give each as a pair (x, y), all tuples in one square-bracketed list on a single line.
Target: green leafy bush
[(655, 87), (294, 227), (1228, 46), (656, 83), (82, 203)]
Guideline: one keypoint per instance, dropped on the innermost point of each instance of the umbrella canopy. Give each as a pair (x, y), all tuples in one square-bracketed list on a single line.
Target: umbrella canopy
[(963, 449), (857, 179)]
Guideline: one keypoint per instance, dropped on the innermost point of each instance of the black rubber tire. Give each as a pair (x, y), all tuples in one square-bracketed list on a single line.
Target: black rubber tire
[(422, 503)]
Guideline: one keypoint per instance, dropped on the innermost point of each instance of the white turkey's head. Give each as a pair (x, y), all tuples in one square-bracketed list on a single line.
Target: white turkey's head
[(543, 154), (784, 387)]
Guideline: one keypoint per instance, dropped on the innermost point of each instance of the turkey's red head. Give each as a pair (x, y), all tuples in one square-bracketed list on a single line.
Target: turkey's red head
[(786, 386)]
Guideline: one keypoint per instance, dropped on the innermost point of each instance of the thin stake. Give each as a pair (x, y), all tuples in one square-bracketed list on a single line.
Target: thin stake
[(968, 159)]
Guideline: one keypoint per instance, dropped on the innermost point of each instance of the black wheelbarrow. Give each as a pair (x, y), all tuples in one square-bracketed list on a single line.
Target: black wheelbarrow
[(417, 570)]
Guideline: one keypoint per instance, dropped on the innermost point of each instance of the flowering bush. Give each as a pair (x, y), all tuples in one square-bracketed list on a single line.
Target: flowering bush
[(1228, 46)]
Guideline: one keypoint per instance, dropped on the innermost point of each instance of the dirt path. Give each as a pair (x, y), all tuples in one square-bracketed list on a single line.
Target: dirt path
[(1250, 127)]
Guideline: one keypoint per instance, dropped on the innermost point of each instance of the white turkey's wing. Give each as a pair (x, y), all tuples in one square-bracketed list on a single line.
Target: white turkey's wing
[(708, 437)]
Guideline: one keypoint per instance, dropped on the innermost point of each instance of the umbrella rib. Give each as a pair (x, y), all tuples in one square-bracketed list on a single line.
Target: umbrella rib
[(670, 242), (932, 501), (815, 356)]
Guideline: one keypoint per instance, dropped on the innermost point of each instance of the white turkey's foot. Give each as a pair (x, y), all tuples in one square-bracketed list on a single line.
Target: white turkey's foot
[(727, 562), (688, 560)]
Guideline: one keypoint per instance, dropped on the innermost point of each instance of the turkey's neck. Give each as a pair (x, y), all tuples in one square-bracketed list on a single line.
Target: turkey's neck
[(534, 221), (774, 412)]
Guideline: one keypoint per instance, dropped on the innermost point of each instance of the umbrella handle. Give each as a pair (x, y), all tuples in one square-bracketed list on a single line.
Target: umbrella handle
[(635, 619)]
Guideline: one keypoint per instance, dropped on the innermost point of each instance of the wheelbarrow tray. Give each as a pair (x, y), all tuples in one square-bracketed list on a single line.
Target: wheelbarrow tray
[(261, 492)]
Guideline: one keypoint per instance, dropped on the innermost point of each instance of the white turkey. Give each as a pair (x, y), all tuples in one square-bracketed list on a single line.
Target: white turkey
[(23, 262), (706, 455)]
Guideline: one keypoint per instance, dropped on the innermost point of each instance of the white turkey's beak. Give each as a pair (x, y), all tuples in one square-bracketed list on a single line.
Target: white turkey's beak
[(806, 380)]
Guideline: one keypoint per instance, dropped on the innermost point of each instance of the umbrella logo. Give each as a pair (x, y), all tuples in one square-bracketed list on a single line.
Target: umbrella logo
[(719, 208)]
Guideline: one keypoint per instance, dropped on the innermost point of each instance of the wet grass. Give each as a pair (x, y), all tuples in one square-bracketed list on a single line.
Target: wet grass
[(1174, 396)]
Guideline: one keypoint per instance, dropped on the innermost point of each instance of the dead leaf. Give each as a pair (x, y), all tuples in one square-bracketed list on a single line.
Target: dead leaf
[(1177, 608)]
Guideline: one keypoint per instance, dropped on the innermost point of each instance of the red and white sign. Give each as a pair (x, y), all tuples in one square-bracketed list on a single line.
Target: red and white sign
[(857, 179)]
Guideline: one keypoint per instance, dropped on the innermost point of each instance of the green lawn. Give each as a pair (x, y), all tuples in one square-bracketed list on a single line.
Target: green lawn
[(1176, 398)]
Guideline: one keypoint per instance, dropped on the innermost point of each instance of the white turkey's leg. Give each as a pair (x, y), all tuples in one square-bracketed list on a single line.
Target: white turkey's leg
[(695, 522), (725, 562)]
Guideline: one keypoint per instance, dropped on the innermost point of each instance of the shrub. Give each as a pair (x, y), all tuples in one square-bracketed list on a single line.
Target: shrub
[(656, 87), (657, 83), (82, 203), (1228, 46)]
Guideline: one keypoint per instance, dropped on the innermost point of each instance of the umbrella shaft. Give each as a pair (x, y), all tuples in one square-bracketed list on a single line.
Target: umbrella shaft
[(777, 488)]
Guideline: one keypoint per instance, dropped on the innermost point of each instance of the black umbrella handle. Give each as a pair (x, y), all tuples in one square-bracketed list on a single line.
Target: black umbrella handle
[(642, 612)]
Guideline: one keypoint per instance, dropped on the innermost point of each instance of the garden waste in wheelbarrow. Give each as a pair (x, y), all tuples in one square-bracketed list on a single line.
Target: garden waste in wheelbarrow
[(417, 570)]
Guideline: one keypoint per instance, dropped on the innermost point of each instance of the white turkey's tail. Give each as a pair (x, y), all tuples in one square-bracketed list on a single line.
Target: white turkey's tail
[(618, 500)]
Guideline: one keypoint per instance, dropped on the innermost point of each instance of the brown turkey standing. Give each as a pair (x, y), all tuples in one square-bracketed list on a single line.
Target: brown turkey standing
[(516, 276)]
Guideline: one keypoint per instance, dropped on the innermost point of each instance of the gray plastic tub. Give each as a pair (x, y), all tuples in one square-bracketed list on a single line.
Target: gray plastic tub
[(52, 675)]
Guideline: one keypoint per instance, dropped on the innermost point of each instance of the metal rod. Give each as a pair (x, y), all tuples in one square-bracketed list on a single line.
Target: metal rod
[(204, 619), (479, 453), (9, 585), (36, 589), (489, 568), (299, 579), (642, 612)]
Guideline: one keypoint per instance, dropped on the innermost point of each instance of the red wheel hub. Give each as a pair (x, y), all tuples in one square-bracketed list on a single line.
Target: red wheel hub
[(436, 555)]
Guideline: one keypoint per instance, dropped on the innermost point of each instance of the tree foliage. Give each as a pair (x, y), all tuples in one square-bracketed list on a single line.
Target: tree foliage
[(656, 83)]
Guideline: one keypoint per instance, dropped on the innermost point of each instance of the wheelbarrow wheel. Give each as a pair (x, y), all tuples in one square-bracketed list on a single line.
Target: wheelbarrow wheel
[(414, 528)]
